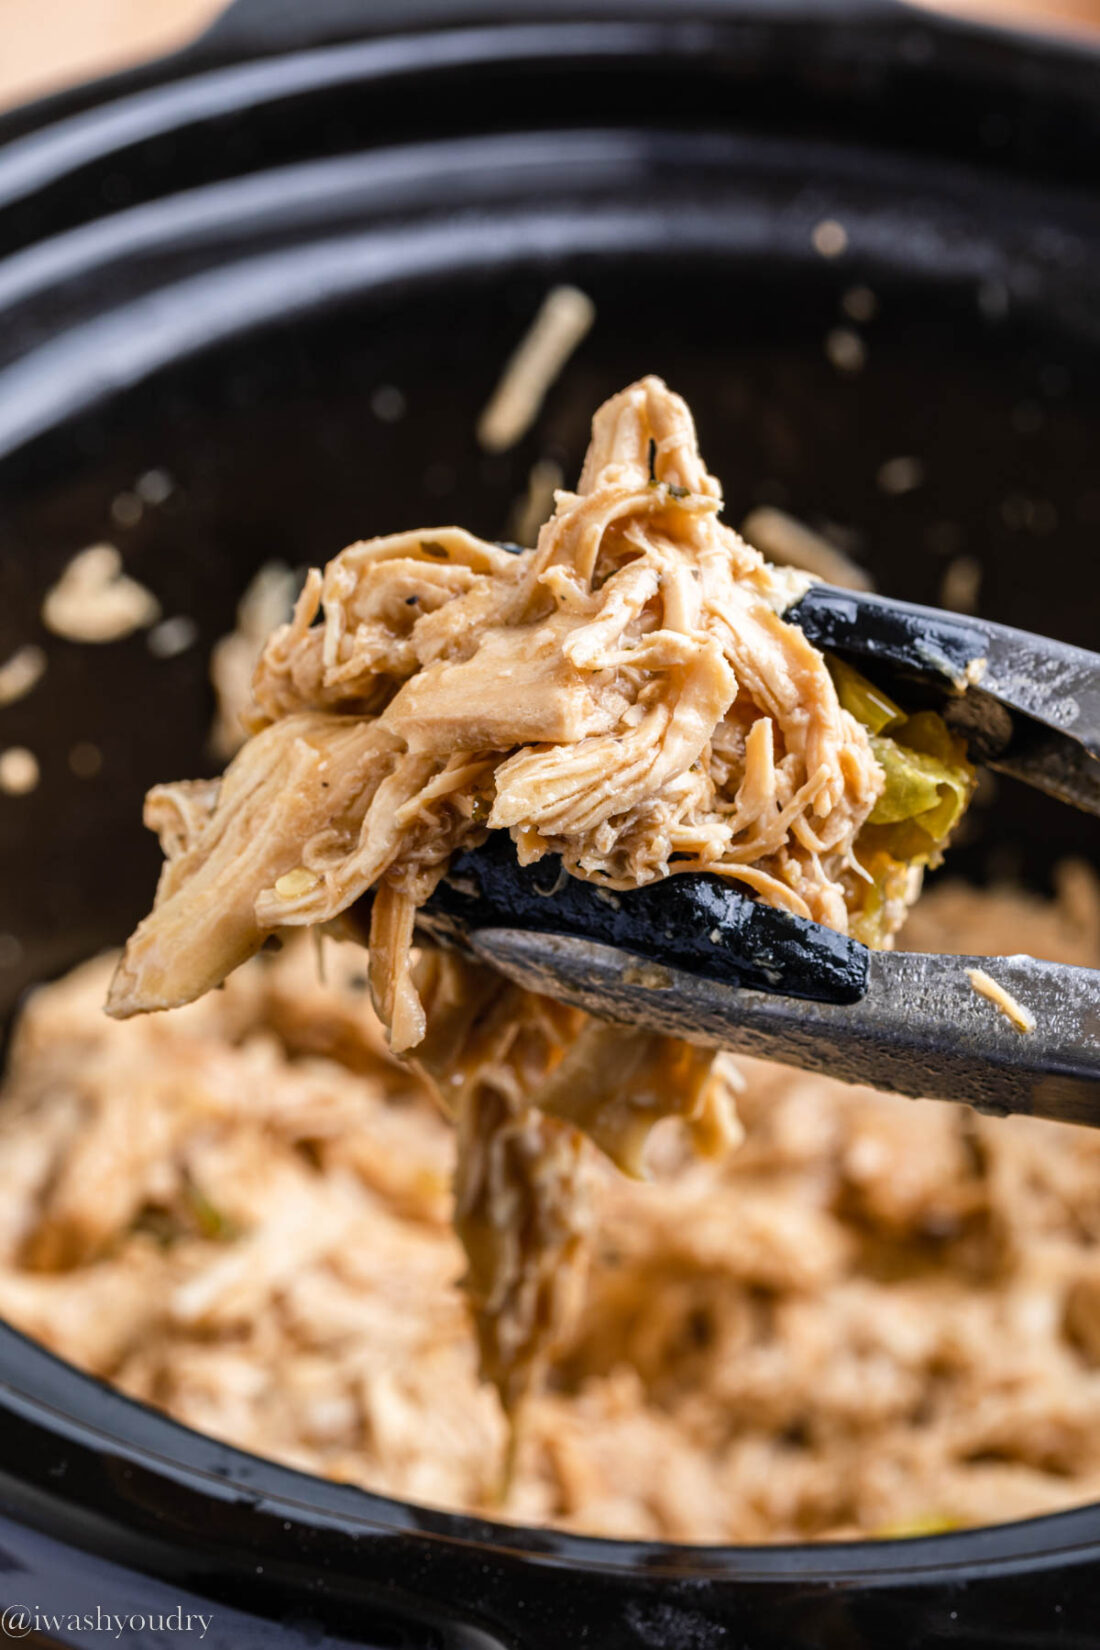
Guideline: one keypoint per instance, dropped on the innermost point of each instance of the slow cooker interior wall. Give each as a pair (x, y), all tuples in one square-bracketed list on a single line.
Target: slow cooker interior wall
[(276, 453)]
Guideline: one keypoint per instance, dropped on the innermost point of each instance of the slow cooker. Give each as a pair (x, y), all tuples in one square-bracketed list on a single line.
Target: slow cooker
[(281, 271)]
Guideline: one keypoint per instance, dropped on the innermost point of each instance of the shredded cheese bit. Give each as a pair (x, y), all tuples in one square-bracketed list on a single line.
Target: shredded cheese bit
[(566, 316), (1015, 1012), (388, 404), (172, 636), (859, 304), (18, 771), (85, 759), (95, 601), (830, 238), (898, 476), (791, 543), (537, 504), (266, 604), (154, 487), (126, 510), (961, 584), (22, 672), (296, 883), (846, 350)]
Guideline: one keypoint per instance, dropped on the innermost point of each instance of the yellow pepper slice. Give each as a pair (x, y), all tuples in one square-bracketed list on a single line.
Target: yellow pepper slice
[(867, 703)]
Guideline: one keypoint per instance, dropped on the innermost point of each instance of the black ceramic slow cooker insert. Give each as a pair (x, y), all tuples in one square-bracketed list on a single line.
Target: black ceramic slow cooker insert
[(211, 267)]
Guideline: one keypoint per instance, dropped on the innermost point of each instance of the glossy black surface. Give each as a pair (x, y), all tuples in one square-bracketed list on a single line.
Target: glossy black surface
[(211, 270), (911, 640), (1036, 713), (698, 923)]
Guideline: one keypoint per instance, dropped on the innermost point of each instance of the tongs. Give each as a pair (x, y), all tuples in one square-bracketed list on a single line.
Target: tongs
[(693, 957)]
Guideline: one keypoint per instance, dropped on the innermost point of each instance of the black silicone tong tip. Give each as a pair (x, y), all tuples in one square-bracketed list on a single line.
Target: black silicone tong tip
[(694, 922), (919, 640), (1026, 705)]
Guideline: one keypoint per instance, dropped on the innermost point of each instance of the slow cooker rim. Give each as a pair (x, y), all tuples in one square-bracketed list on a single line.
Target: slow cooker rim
[(71, 141), (151, 225), (244, 31), (84, 1413), (207, 88), (100, 353)]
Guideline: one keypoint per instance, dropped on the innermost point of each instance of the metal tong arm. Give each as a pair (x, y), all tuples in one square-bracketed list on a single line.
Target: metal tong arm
[(921, 1029), (1027, 705)]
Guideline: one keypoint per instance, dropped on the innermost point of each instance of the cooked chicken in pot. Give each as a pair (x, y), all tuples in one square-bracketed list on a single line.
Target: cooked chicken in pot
[(875, 1315), (627, 696)]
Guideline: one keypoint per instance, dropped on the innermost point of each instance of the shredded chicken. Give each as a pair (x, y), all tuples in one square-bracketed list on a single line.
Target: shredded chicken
[(1002, 999), (526, 1079), (625, 695), (95, 601), (961, 585), (788, 541), (877, 1316), (565, 317), (20, 674), (266, 604), (532, 508), (19, 771)]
